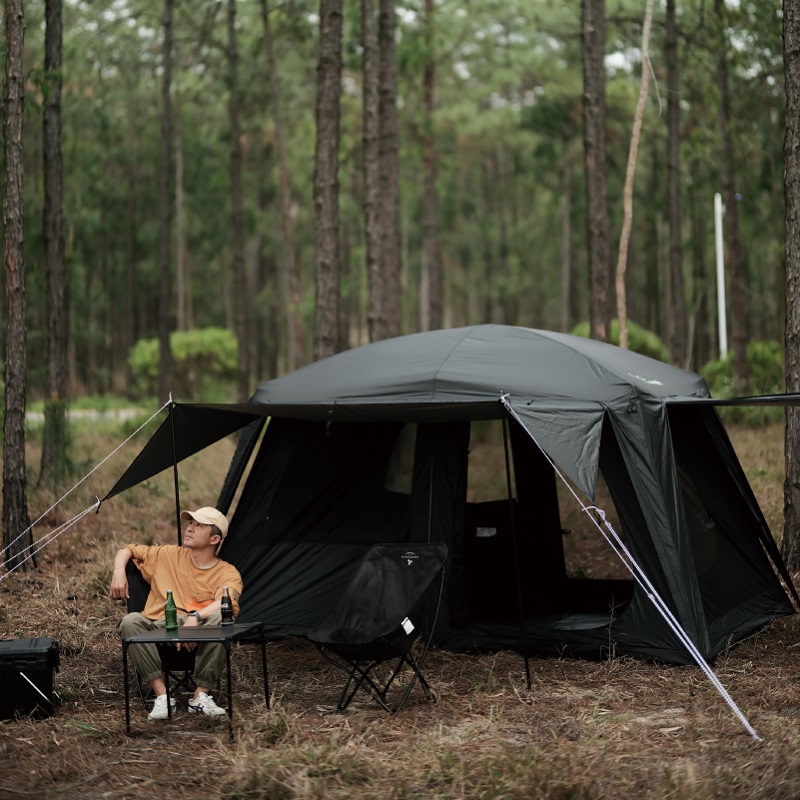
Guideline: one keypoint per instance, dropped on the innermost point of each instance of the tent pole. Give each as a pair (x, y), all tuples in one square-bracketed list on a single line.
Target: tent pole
[(512, 516), (175, 469)]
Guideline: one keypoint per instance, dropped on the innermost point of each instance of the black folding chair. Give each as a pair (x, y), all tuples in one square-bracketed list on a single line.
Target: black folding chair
[(178, 665), (392, 599)]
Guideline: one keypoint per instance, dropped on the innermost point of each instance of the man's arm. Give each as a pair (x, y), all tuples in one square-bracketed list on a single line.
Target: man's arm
[(118, 589), (205, 612)]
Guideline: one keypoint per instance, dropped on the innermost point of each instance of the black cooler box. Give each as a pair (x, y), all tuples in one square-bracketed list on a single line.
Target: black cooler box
[(26, 676)]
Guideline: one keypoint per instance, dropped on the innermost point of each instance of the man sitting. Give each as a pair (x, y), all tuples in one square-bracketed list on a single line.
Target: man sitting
[(196, 577)]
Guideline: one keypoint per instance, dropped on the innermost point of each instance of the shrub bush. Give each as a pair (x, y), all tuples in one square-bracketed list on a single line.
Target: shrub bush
[(640, 340), (204, 365), (764, 376)]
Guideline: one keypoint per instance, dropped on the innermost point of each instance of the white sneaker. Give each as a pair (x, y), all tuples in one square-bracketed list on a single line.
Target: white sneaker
[(204, 704), (160, 707)]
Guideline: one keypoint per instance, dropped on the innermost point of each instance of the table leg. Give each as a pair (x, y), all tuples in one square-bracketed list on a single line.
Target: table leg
[(169, 701), (127, 689), (230, 687), (264, 667)]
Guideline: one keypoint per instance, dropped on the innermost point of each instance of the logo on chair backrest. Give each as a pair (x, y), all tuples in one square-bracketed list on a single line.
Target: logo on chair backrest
[(409, 557)]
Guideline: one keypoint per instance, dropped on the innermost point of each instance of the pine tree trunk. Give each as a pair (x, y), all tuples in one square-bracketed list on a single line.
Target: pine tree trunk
[(54, 440), (733, 248), (376, 317), (241, 296), (431, 281), (326, 179), (290, 277), (489, 180), (165, 216), (389, 179), (131, 253), (703, 339), (678, 339), (181, 272), (627, 200), (655, 290), (566, 241), (594, 143), (15, 503), (791, 149)]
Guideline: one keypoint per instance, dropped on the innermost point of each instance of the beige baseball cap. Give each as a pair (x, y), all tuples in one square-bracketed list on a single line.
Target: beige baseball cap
[(208, 516)]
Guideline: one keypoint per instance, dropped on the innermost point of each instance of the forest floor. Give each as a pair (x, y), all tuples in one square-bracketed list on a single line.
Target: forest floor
[(583, 730)]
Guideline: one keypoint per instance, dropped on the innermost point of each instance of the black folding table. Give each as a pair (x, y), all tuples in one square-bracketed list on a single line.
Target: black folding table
[(200, 634)]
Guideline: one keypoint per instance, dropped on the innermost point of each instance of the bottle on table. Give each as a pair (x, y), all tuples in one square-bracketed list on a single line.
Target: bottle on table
[(226, 607), (170, 612)]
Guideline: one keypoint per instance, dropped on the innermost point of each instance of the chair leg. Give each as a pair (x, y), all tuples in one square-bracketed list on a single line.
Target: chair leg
[(344, 699), (359, 677)]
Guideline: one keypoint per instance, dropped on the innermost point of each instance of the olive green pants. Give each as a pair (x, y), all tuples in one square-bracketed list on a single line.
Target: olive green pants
[(209, 661)]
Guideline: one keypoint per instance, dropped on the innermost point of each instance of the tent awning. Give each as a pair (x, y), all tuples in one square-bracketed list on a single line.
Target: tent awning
[(187, 430)]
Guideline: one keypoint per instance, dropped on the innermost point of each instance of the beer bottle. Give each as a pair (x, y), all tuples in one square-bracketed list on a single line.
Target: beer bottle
[(226, 608), (170, 612)]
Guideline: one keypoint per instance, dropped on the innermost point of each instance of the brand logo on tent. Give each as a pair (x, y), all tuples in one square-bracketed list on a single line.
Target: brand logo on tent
[(409, 557), (648, 381)]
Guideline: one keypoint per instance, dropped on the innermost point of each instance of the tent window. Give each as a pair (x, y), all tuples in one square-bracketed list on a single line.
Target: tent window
[(400, 470), (586, 552), (486, 476)]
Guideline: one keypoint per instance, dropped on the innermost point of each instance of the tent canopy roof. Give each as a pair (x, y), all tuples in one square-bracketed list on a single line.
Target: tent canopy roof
[(463, 373)]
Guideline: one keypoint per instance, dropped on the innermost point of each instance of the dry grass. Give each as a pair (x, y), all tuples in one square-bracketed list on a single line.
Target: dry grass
[(583, 730)]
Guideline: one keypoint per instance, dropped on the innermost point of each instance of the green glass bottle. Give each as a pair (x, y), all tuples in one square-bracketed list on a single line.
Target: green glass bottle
[(170, 612)]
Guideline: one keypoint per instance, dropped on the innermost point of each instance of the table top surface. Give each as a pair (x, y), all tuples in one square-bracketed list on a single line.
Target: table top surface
[(197, 633)]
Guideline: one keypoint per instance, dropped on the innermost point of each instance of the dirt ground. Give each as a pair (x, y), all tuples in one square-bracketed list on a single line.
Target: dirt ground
[(582, 730)]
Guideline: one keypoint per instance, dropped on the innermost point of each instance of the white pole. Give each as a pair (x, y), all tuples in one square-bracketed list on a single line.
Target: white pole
[(723, 327)]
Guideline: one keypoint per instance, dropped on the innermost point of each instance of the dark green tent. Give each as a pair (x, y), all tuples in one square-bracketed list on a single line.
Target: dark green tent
[(373, 445)]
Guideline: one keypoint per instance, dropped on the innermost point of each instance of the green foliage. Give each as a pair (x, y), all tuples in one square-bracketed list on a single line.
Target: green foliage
[(639, 340), (764, 376), (764, 370), (507, 130), (203, 365)]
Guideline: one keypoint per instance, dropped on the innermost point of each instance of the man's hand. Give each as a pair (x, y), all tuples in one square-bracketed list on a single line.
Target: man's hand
[(118, 589), (191, 621)]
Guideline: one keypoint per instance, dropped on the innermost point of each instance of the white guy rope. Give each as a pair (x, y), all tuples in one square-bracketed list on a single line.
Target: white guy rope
[(47, 538), (50, 537), (88, 474), (641, 578)]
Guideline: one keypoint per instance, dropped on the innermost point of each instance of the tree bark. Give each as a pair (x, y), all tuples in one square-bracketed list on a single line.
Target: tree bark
[(622, 262), (389, 179), (791, 149), (290, 278), (183, 283), (241, 296), (566, 240), (270, 320), (15, 503), (165, 315), (326, 179), (376, 318), (431, 303), (594, 144), (735, 261), (678, 347), (54, 440)]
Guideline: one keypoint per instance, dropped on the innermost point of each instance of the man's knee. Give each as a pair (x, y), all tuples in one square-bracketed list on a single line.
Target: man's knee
[(133, 623)]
